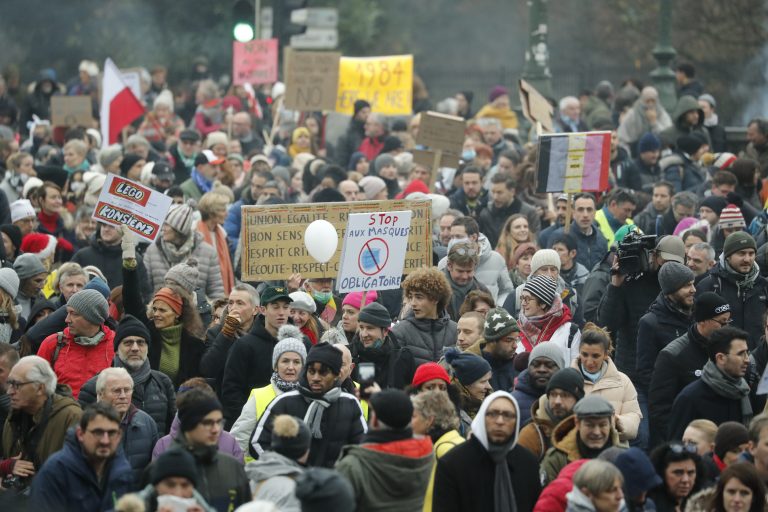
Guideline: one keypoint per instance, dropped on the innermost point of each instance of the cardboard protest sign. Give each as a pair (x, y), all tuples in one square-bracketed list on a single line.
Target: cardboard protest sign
[(373, 253), (536, 108), (574, 162), (71, 111), (273, 236), (126, 202), (254, 62), (385, 82), (441, 131), (311, 80), (427, 158)]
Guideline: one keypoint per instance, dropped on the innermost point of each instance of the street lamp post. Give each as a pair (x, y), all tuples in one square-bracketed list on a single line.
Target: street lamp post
[(536, 70), (663, 77)]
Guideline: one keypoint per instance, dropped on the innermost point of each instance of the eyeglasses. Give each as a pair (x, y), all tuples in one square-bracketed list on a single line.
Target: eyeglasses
[(679, 448), (212, 423), (744, 354), (526, 298), (99, 433), (722, 323), (15, 384), (505, 415)]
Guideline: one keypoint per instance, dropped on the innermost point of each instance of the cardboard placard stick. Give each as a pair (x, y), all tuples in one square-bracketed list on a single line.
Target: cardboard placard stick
[(568, 212)]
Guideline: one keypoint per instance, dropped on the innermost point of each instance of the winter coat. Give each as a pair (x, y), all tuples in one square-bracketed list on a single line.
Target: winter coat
[(227, 443), (426, 338), (491, 273), (553, 496), (492, 218), (180, 171), (254, 407), (662, 323), (458, 295), (394, 364), (526, 395), (758, 153), (699, 401), (209, 272), (388, 476), (342, 423), (747, 307), (249, 366), (619, 391), (77, 363), (596, 112), (457, 489), (620, 311), (64, 413), (591, 249), (561, 331), (682, 172), (155, 396), (565, 448), (191, 348), (536, 435), (646, 220), (680, 363), (459, 202), (635, 123), (443, 445), (221, 478), (594, 288), (67, 482), (214, 360), (274, 478), (679, 127), (139, 438), (350, 141)]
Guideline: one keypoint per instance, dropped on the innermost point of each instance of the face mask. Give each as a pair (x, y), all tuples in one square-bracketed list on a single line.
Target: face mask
[(468, 155), (322, 297), (77, 186)]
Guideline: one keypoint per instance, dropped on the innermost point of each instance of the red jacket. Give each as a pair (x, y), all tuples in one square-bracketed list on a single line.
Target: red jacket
[(552, 498), (371, 147), (76, 363)]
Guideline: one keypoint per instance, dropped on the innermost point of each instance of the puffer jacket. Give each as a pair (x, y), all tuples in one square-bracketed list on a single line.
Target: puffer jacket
[(139, 438), (155, 396), (619, 391), (536, 435), (553, 496), (274, 476), (492, 272), (209, 277), (427, 339), (682, 172)]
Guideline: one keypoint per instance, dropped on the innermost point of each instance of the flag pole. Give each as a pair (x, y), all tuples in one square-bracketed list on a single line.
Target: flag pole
[(568, 213), (435, 167)]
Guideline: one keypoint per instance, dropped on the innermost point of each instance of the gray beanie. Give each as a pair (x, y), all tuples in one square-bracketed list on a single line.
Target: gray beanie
[(180, 218), (28, 265), (551, 351), (383, 161), (184, 274), (9, 281), (91, 305), (673, 276), (375, 314), (289, 345)]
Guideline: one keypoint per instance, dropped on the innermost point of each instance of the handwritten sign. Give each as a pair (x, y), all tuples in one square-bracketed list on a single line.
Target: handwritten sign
[(311, 80), (273, 236), (126, 202), (426, 158), (536, 108), (71, 111), (254, 62), (441, 131), (385, 82)]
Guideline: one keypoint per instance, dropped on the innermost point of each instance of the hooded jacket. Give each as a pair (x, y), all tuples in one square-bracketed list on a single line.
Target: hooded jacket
[(426, 338), (554, 496), (492, 218), (388, 476), (274, 477), (536, 435), (491, 271), (682, 172), (526, 395), (227, 443), (66, 482), (679, 127), (457, 489), (646, 219), (394, 363)]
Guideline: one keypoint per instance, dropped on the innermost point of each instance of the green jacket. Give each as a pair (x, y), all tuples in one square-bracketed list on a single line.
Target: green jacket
[(191, 190), (389, 476)]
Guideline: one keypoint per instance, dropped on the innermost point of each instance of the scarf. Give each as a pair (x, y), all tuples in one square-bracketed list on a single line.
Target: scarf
[(540, 328), (17, 181), (201, 181), (459, 292), (503, 493), (91, 341), (139, 376), (222, 251), (282, 385), (378, 353), (728, 387), (84, 166), (712, 120), (329, 311), (317, 405), (170, 353), (593, 377), (591, 453), (174, 254), (742, 281), (188, 161)]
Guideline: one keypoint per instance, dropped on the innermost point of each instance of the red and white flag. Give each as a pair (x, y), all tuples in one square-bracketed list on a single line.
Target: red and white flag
[(119, 106)]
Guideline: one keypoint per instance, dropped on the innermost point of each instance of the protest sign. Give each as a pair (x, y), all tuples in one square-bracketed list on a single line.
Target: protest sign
[(427, 158), (254, 62), (536, 108), (441, 131), (574, 162), (385, 82), (311, 80), (273, 244), (126, 202), (373, 253), (71, 111)]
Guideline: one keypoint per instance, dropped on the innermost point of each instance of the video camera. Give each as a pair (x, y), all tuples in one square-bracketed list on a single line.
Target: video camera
[(634, 253)]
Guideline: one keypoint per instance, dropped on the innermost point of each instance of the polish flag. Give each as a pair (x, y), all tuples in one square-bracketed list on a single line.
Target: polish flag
[(119, 106)]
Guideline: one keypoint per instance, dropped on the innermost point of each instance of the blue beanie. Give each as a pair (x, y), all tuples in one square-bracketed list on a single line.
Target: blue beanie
[(99, 285), (467, 368), (648, 142)]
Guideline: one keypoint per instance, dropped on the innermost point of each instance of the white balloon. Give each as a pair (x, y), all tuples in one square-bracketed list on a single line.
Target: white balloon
[(321, 240)]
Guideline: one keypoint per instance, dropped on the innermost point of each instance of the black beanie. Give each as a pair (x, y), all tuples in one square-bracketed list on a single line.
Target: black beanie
[(730, 435), (128, 161), (375, 314), (290, 436), (569, 380), (14, 233), (393, 407), (174, 462), (708, 305), (196, 406), (323, 489), (131, 326), (326, 354)]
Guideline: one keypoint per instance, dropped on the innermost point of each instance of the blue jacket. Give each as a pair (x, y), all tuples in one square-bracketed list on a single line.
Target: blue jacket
[(525, 394), (66, 482), (591, 249), (139, 437)]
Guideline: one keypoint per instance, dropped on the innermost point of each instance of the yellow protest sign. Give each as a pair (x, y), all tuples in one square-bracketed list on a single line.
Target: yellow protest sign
[(273, 237), (385, 82)]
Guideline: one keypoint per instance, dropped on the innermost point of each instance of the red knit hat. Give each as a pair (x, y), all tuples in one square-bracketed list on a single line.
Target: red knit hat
[(39, 243), (427, 372)]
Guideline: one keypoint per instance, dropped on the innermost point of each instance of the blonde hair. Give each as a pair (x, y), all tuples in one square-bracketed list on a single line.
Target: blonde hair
[(706, 427), (210, 202), (77, 145)]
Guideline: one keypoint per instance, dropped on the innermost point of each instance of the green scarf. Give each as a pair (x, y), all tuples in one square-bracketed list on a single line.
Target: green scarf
[(171, 350)]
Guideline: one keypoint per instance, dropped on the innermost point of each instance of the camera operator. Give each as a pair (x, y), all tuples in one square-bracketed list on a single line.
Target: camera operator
[(628, 297)]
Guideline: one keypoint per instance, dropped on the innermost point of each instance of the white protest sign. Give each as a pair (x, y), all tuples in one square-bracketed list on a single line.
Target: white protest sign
[(126, 202), (373, 253)]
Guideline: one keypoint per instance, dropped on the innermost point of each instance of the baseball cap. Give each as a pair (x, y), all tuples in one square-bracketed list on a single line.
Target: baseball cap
[(206, 156), (273, 293), (162, 171), (671, 248)]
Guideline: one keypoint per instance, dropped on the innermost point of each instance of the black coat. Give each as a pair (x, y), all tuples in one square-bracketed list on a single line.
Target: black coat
[(343, 423), (699, 401), (218, 347), (677, 365), (659, 326), (492, 219), (394, 364), (109, 259), (464, 479)]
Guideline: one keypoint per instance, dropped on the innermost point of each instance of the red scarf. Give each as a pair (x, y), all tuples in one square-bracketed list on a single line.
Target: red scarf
[(539, 329), (306, 331)]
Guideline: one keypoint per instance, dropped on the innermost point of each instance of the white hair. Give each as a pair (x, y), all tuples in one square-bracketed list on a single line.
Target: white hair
[(110, 373), (40, 371), (568, 100)]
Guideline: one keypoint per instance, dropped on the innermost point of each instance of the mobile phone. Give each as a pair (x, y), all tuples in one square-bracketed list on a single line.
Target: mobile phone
[(367, 371)]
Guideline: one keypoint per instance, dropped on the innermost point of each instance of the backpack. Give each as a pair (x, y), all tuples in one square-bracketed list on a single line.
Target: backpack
[(60, 343), (574, 330)]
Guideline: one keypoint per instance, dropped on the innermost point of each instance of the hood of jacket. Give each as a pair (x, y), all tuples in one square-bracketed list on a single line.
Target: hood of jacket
[(524, 385), (478, 424), (666, 313), (578, 501), (272, 464), (540, 416), (686, 104), (485, 248), (564, 438)]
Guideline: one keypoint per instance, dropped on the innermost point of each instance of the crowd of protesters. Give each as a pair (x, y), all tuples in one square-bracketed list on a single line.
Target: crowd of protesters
[(613, 363)]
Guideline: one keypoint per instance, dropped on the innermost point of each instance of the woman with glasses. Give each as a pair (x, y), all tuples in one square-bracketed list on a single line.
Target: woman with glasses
[(681, 473)]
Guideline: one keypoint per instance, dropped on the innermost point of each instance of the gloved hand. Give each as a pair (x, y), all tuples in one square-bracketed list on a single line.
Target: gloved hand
[(128, 243), (231, 325)]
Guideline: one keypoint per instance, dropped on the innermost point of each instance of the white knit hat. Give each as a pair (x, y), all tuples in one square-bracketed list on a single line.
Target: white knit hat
[(9, 281), (544, 257), (22, 209), (302, 301)]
